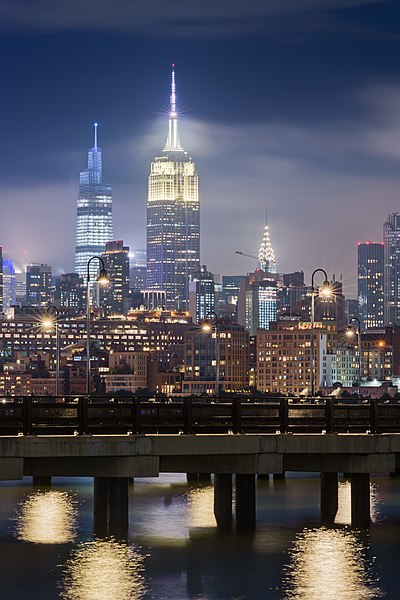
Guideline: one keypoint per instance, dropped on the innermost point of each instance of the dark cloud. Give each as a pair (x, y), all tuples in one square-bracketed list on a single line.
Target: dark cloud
[(177, 17)]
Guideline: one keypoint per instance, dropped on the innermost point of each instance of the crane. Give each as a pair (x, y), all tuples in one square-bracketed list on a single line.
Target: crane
[(244, 254)]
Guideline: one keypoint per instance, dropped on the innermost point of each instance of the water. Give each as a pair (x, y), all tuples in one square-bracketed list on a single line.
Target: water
[(48, 551)]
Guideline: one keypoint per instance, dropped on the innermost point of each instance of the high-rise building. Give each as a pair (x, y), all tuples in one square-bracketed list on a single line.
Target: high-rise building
[(9, 297), (201, 295), (38, 285), (370, 285), (257, 301), (94, 224), (173, 217), (391, 282), (70, 293), (115, 296)]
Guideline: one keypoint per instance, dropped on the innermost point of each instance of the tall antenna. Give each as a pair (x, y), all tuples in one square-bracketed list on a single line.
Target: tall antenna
[(95, 135)]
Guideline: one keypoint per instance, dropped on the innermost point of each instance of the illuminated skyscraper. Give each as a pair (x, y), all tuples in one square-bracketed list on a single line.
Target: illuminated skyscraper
[(94, 225), (173, 217), (266, 255), (391, 283), (370, 285)]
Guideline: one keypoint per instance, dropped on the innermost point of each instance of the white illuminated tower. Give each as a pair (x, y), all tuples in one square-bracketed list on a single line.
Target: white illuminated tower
[(94, 224), (173, 217), (266, 255)]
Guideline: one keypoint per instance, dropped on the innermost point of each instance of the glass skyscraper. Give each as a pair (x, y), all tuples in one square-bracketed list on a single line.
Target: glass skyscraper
[(391, 241), (94, 224), (370, 285), (173, 217)]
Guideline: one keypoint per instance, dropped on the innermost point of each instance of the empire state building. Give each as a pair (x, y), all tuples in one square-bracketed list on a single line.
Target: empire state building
[(173, 217)]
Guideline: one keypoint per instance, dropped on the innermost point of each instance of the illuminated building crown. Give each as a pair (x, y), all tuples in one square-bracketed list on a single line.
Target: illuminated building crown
[(266, 256), (173, 142)]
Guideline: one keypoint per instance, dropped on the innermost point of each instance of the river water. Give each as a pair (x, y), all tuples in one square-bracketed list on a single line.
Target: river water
[(48, 551)]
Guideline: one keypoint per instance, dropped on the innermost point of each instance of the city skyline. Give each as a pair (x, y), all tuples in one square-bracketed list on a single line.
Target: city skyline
[(296, 110)]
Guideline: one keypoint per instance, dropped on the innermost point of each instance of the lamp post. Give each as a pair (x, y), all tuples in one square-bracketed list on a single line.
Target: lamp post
[(350, 333), (326, 292), (50, 320), (103, 280), (217, 358)]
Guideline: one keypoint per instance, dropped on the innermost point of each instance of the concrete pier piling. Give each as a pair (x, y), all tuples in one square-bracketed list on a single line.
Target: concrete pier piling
[(223, 501), (329, 497), (360, 500), (245, 503)]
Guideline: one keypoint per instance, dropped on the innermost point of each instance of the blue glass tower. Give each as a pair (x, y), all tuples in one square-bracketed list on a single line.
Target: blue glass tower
[(94, 224), (173, 217)]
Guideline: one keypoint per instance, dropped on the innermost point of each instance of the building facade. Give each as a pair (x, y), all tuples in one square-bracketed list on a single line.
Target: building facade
[(284, 358), (391, 282), (94, 223), (115, 296), (202, 295), (38, 285), (370, 285), (223, 349), (173, 217)]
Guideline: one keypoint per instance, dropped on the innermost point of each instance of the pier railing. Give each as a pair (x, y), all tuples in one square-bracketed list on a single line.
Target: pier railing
[(96, 415)]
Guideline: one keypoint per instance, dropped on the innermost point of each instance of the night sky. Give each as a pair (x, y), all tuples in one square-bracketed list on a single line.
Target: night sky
[(290, 105)]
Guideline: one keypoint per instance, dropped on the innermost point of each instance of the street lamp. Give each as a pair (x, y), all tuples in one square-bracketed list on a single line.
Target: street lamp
[(350, 333), (207, 327), (50, 321), (103, 279), (325, 292)]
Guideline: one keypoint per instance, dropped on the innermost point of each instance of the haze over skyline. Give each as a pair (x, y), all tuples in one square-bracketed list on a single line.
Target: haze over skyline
[(282, 105)]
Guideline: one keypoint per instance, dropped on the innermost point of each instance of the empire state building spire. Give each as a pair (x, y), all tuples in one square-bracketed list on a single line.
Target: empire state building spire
[(266, 255), (173, 142)]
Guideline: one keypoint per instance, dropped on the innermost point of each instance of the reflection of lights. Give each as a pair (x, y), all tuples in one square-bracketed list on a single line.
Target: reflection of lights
[(104, 569), (47, 518), (328, 564), (200, 507), (343, 515)]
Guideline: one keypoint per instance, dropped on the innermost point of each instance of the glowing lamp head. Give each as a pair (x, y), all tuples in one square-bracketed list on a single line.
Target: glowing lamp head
[(47, 323), (103, 278), (326, 290), (350, 332), (206, 327)]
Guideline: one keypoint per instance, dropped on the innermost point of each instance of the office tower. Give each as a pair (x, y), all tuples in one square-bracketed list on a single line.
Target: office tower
[(115, 296), (38, 285), (173, 217), (266, 255), (9, 297), (70, 293), (257, 301), (202, 295), (370, 285), (20, 288), (94, 225), (391, 279), (291, 291), (138, 258)]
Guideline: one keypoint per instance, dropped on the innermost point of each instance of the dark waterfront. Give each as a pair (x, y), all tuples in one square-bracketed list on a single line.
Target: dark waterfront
[(174, 551)]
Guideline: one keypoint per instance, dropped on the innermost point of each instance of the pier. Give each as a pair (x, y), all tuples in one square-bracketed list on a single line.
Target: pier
[(225, 440)]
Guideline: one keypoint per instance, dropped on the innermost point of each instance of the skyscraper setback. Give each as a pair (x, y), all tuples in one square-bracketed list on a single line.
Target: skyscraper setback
[(94, 224), (173, 217)]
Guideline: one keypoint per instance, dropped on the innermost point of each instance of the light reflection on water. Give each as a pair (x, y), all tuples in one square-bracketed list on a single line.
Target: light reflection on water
[(200, 507), (103, 570), (343, 515), (47, 518), (328, 564)]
